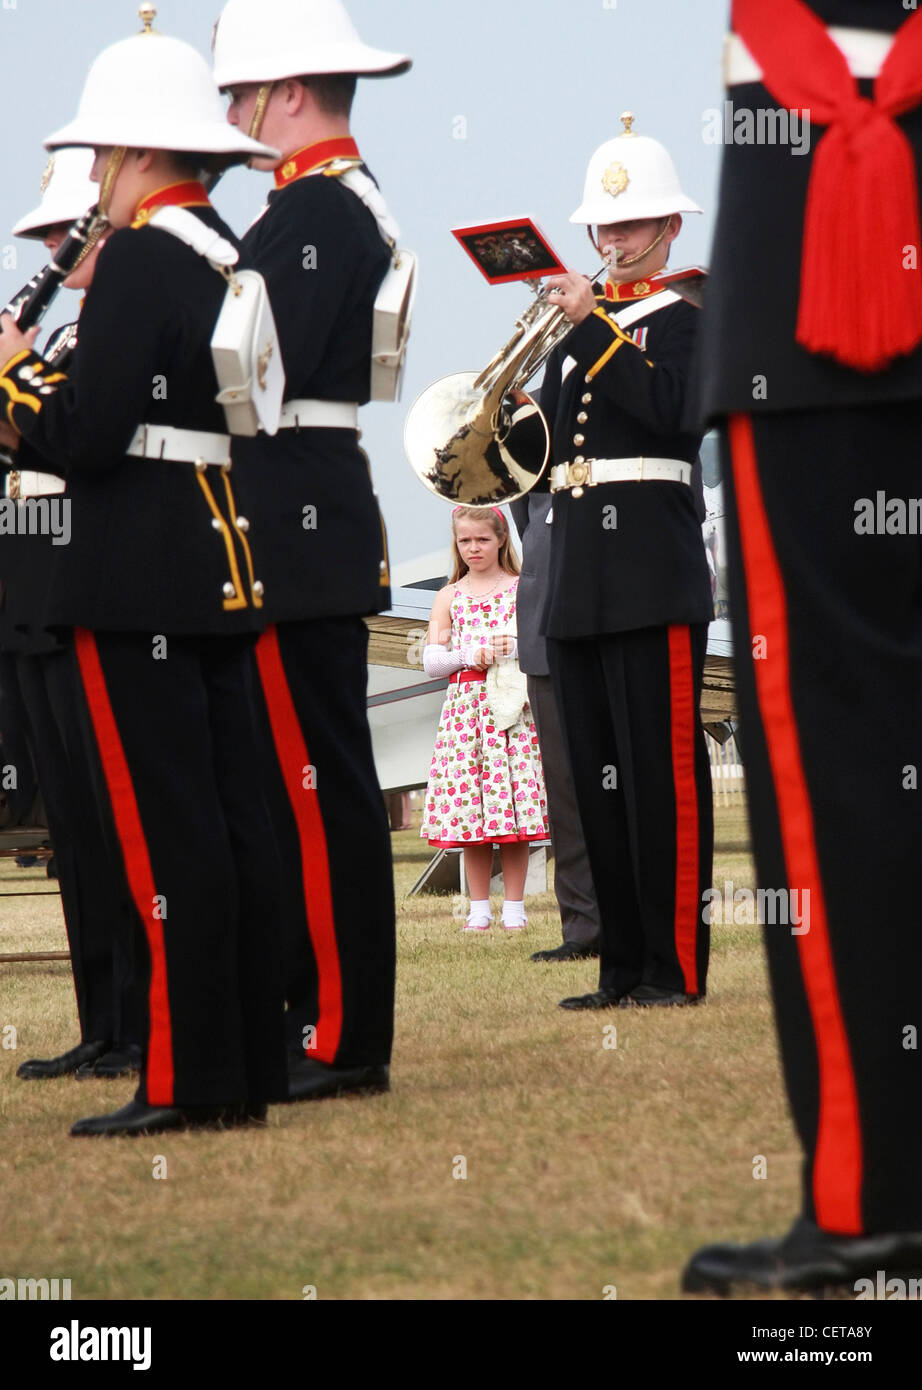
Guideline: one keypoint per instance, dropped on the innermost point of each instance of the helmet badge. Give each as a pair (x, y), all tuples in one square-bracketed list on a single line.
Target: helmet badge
[(615, 179), (46, 176)]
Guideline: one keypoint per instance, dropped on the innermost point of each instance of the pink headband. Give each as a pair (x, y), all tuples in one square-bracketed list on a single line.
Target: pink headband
[(492, 509)]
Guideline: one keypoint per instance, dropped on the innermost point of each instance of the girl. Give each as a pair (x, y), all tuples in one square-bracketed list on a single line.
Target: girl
[(485, 782)]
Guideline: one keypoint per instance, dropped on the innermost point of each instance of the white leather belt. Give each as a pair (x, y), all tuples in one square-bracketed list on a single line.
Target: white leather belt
[(636, 470), (183, 446), (32, 484), (864, 49), (330, 415)]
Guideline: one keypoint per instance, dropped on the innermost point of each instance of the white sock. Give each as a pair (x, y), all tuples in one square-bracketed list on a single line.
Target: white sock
[(513, 913), (480, 912)]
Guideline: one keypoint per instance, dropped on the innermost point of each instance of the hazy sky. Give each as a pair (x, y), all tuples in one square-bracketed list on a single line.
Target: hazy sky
[(505, 103)]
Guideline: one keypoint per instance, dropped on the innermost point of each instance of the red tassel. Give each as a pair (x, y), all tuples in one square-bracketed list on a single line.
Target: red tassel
[(860, 290), (858, 301)]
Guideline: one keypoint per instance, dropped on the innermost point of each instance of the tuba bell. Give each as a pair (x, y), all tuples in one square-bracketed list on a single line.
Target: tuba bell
[(481, 440)]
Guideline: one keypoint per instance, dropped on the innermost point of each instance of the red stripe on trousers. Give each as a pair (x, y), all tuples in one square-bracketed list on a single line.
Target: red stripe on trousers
[(315, 864), (684, 724), (838, 1161), (159, 1063)]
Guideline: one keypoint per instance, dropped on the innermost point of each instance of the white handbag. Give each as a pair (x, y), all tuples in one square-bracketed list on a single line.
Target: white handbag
[(506, 688), (244, 344)]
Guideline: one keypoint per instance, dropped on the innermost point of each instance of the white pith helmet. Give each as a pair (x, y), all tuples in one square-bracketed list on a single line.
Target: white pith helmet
[(154, 92), (67, 193), (269, 40), (630, 178)]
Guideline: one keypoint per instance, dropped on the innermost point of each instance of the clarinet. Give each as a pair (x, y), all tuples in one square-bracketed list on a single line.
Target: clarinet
[(61, 347), (30, 304)]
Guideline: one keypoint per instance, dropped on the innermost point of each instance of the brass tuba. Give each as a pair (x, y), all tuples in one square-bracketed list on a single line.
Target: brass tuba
[(483, 440)]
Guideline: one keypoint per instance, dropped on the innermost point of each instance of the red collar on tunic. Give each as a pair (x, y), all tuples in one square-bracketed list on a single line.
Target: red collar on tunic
[(312, 157), (174, 195), (634, 289), (641, 289)]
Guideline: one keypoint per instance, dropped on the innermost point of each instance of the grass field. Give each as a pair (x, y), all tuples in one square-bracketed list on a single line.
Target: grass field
[(587, 1165)]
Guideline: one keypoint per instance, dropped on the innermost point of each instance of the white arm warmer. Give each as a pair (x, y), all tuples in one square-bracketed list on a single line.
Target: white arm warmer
[(440, 661)]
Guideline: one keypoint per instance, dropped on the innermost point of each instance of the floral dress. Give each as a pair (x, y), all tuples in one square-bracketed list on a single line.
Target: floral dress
[(486, 785)]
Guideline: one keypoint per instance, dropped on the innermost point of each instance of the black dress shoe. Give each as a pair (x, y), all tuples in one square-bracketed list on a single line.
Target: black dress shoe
[(121, 1061), (309, 1079), (138, 1118), (803, 1260), (570, 950), (39, 1069), (602, 999), (651, 996)]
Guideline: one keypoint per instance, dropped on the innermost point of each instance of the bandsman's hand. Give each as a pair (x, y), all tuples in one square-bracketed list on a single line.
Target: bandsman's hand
[(12, 341), (503, 645), (573, 294)]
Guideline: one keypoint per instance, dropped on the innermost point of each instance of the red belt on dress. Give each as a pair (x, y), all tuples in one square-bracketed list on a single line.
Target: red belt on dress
[(457, 676)]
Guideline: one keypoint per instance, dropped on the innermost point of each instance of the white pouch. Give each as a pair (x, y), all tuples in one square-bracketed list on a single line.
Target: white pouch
[(244, 344), (396, 296), (247, 357), (393, 315)]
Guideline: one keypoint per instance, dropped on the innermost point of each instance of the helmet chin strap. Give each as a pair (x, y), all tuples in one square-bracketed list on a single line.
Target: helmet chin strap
[(259, 110), (110, 175), (632, 260)]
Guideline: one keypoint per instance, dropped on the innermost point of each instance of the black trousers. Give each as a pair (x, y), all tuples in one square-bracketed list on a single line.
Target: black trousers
[(330, 819), (579, 913), (177, 748), (828, 635), (97, 911), (19, 800), (628, 703)]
